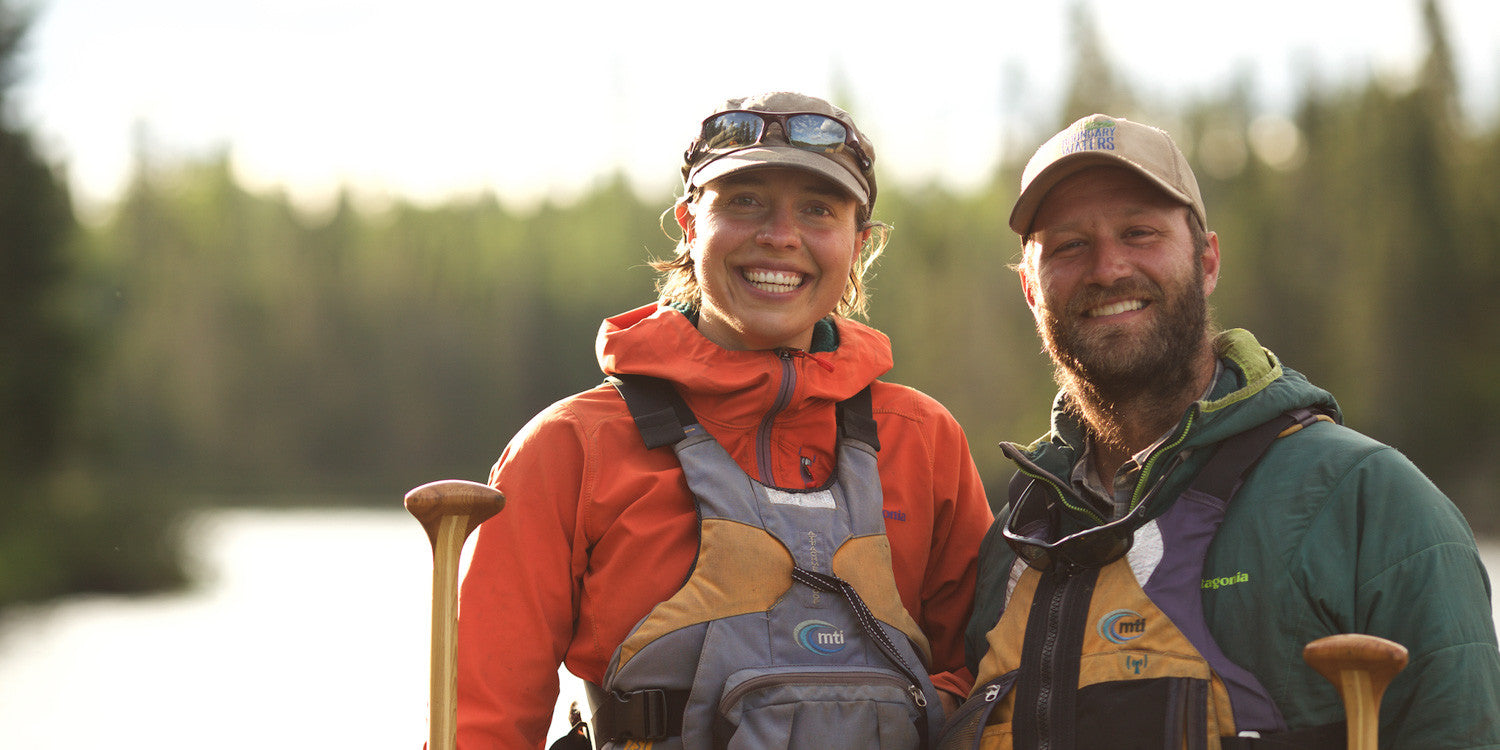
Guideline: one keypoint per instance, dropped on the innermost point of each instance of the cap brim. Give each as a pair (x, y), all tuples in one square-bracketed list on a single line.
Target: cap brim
[(761, 157), (1024, 212)]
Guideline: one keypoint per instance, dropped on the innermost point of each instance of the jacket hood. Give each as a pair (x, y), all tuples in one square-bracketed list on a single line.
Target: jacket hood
[(661, 341), (1254, 388)]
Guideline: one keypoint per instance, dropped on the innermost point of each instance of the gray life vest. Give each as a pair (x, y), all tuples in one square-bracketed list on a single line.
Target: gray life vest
[(789, 632)]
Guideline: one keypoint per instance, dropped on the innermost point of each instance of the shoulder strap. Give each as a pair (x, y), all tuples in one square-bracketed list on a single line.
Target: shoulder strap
[(856, 416), (658, 410), (660, 413), (1222, 475)]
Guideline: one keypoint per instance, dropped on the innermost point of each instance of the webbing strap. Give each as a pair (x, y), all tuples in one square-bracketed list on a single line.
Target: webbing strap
[(660, 413), (1322, 737), (857, 419), (834, 585), (651, 714), (1222, 475)]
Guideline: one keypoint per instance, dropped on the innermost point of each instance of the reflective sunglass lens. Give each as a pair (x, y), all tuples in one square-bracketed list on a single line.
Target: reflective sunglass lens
[(1099, 549), (816, 132), (732, 130)]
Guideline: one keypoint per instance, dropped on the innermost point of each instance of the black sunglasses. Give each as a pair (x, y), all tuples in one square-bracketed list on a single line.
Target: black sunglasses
[(810, 131), (1094, 547)]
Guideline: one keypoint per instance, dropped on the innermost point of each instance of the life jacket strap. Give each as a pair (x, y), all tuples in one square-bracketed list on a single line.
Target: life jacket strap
[(652, 714), (658, 410), (1322, 737), (661, 415)]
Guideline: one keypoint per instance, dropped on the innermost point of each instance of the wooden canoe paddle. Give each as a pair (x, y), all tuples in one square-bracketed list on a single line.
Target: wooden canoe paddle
[(1360, 666), (449, 510)]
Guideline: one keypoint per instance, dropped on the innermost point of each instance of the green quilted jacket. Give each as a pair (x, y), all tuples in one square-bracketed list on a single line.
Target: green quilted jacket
[(1332, 532)]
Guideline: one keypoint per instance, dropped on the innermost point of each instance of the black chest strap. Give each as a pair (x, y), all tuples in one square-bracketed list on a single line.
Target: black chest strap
[(661, 414)]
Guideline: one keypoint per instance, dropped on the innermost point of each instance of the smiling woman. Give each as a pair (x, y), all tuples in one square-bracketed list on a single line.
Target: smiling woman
[(735, 440)]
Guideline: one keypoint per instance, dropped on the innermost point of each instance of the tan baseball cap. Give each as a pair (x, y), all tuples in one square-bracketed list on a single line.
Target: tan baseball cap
[(851, 168), (1104, 140)]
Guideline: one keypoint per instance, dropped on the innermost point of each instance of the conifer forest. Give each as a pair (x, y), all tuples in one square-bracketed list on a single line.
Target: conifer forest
[(200, 343)]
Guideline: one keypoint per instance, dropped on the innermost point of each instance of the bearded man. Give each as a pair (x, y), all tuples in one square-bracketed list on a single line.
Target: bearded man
[(1198, 512)]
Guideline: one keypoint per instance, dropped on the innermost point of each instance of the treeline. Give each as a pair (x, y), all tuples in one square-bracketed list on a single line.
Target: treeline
[(247, 351)]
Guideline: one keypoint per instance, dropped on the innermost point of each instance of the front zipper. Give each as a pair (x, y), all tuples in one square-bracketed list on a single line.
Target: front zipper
[(783, 397), (1046, 674)]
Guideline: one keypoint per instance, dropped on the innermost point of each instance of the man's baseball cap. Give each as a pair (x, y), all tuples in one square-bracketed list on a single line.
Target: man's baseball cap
[(1104, 140), (734, 138)]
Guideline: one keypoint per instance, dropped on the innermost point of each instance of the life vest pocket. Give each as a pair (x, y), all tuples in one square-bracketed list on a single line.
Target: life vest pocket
[(806, 707), (966, 729), (1149, 714)]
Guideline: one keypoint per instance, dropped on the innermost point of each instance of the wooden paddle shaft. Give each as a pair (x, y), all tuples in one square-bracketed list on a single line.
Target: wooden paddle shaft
[(1360, 666), (449, 510)]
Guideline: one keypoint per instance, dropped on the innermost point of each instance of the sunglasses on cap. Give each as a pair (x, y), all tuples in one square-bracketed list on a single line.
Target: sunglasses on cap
[(742, 128)]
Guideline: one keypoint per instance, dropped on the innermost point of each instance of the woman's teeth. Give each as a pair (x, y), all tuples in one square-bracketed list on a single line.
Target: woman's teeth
[(773, 281)]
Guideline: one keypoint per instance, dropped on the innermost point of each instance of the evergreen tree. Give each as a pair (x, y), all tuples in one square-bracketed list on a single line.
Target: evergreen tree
[(40, 345), (1094, 84), (62, 528)]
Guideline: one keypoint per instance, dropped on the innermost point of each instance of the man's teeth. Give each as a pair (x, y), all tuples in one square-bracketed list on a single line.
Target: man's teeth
[(773, 281), (1116, 308)]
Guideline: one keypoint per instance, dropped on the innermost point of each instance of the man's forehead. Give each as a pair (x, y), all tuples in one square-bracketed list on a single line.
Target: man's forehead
[(1102, 188)]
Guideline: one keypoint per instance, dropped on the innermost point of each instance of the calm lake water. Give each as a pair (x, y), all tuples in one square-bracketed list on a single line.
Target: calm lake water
[(308, 629)]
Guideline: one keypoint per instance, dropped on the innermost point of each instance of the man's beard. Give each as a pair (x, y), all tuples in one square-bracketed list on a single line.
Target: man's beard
[(1112, 368)]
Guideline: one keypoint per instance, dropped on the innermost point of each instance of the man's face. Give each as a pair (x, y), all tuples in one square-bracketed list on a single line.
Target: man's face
[(1117, 289)]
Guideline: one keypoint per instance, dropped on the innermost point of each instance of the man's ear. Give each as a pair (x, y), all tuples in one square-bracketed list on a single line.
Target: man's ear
[(1211, 264), (1028, 283)]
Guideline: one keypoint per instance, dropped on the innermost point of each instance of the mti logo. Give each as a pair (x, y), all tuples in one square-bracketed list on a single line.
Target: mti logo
[(1122, 625), (820, 637)]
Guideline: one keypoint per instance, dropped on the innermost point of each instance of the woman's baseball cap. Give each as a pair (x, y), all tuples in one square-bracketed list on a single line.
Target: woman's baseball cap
[(782, 129)]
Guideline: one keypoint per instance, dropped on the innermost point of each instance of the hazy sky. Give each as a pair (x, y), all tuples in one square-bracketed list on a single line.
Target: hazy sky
[(529, 97)]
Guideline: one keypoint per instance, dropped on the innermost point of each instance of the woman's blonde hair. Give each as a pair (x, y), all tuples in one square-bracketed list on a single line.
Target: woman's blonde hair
[(677, 283)]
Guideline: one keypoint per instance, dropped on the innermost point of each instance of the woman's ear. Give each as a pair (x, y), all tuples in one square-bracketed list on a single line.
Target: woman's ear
[(684, 214)]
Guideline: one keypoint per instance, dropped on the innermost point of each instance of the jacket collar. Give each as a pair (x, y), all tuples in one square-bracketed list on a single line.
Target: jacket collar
[(662, 341)]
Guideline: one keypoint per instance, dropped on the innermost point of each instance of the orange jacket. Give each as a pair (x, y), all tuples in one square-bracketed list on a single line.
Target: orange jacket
[(597, 530)]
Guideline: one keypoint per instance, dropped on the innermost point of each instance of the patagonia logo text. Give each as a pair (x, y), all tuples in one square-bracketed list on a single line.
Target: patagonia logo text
[(1221, 582), (895, 515), (1122, 625), (820, 637)]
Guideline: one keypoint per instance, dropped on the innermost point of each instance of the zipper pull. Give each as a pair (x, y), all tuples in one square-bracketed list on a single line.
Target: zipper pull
[(917, 696), (788, 353)]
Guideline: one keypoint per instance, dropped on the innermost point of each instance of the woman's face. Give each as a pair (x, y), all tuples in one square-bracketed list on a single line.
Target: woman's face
[(772, 249)]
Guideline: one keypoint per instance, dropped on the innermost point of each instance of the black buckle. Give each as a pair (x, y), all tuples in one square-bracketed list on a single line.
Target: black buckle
[(639, 715)]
